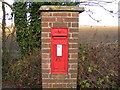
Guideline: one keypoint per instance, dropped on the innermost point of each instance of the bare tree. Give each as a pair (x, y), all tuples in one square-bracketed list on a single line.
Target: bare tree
[(101, 4), (3, 32)]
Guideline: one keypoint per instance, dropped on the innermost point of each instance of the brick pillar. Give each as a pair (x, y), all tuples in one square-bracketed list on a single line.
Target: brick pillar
[(60, 17)]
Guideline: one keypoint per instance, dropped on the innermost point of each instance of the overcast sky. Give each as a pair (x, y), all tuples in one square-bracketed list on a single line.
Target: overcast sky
[(98, 13)]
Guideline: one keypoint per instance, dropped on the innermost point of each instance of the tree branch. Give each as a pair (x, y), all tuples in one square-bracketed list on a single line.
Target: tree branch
[(8, 5)]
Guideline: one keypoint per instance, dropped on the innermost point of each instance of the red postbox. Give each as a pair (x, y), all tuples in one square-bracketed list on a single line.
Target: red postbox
[(59, 50)]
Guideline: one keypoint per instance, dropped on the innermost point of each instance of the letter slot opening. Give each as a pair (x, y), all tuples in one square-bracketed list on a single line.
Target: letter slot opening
[(59, 36)]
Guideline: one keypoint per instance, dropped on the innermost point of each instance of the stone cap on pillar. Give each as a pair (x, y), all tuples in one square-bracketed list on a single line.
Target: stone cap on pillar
[(52, 8)]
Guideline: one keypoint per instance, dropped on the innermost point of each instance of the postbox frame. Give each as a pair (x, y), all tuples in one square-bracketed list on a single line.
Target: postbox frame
[(59, 36)]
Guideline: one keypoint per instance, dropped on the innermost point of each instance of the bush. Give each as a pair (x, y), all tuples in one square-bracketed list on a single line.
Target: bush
[(25, 73), (98, 66)]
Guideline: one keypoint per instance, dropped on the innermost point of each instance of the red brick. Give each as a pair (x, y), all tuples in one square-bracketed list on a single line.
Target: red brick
[(59, 80), (61, 25), (74, 56), (45, 65), (73, 71), (75, 25), (60, 14), (70, 34), (45, 40), (60, 19), (45, 61), (73, 45), (48, 19), (45, 45), (45, 55), (71, 85), (44, 25), (48, 80), (73, 40), (45, 75), (45, 71), (73, 66), (45, 29), (73, 75), (73, 61), (45, 85), (50, 24), (74, 34), (73, 51), (75, 14), (44, 34), (69, 14), (69, 24), (45, 14), (71, 19), (45, 50), (59, 85), (51, 13), (58, 76), (73, 30)]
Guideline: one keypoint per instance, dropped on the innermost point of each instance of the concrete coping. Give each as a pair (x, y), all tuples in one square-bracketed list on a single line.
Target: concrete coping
[(48, 8)]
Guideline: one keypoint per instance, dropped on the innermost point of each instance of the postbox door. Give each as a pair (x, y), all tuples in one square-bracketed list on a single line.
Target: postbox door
[(59, 56)]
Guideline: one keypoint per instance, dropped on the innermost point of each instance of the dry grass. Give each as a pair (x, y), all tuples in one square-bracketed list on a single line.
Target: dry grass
[(99, 27), (98, 34), (8, 30)]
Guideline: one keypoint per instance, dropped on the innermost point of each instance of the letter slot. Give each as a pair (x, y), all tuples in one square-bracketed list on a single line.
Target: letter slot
[(59, 51)]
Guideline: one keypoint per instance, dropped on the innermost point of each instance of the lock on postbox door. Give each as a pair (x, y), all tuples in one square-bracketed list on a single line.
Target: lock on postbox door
[(59, 50)]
